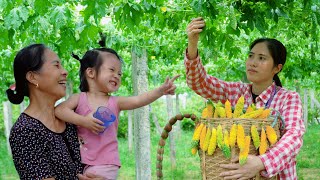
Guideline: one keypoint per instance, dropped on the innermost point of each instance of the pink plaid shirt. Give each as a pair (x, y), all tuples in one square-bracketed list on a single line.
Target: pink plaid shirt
[(281, 158)]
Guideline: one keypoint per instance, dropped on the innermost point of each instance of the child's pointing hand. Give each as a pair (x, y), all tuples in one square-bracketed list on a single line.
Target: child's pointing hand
[(168, 87)]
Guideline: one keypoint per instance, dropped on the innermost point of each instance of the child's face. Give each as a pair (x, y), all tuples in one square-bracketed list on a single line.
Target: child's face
[(109, 76)]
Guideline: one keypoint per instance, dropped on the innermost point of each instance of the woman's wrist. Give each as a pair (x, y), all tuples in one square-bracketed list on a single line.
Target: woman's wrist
[(191, 53), (260, 164)]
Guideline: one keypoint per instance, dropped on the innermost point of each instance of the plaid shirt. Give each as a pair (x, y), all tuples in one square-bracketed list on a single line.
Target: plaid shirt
[(281, 158)]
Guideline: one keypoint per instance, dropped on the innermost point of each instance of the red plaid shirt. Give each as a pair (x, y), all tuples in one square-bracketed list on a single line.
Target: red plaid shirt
[(281, 158)]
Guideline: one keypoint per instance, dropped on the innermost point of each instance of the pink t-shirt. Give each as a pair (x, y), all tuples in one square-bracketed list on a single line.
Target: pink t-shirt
[(103, 148)]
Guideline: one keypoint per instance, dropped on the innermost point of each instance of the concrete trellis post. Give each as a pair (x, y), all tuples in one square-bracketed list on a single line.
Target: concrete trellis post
[(7, 114)]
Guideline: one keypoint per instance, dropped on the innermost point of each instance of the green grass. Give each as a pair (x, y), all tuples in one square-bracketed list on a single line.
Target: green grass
[(7, 170), (188, 166), (308, 160)]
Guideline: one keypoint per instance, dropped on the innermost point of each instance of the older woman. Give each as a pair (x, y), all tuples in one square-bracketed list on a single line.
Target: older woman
[(43, 147)]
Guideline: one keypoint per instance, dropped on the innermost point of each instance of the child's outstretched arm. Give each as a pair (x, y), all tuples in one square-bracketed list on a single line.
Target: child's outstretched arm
[(65, 112), (133, 102)]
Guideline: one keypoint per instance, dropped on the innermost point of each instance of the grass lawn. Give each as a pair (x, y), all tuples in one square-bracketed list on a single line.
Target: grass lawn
[(308, 160), (7, 170), (188, 167)]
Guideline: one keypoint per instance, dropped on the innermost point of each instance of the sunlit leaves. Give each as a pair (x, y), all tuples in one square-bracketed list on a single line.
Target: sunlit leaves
[(232, 18), (89, 33), (60, 16), (95, 9), (159, 27), (16, 16), (4, 38), (3, 5), (129, 16), (45, 25)]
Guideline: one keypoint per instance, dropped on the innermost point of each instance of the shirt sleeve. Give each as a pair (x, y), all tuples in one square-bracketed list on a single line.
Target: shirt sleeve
[(29, 154), (208, 86), (283, 154)]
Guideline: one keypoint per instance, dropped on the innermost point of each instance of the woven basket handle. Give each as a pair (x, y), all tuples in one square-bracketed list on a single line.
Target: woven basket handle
[(164, 136)]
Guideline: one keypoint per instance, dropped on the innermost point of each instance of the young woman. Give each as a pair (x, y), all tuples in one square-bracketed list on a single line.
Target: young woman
[(43, 146), (265, 60)]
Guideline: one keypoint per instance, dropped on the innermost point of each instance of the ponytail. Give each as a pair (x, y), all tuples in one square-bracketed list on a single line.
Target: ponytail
[(14, 97), (75, 56), (29, 58), (277, 80)]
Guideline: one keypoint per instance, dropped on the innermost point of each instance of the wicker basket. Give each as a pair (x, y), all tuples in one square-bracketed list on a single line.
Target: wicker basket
[(210, 165)]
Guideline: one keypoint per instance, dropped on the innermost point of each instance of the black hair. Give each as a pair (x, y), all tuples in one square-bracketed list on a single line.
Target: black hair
[(27, 59), (92, 59), (278, 52)]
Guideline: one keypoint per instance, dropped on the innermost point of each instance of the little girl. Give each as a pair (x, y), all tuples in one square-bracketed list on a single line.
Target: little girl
[(100, 75)]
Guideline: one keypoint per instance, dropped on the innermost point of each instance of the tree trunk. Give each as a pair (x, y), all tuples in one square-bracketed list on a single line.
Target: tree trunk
[(305, 108), (22, 106), (141, 118), (130, 127), (184, 100), (7, 115), (178, 123), (156, 122), (312, 104), (69, 90), (171, 134), (315, 102)]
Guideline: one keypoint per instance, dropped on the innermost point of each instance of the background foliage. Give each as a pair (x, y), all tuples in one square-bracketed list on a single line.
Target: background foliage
[(159, 27)]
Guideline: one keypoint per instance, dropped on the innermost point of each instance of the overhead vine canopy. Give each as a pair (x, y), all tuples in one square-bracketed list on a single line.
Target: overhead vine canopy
[(159, 27)]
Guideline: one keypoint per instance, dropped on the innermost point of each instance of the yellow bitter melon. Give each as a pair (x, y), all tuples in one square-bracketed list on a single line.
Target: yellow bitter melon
[(213, 142), (238, 107), (255, 136)]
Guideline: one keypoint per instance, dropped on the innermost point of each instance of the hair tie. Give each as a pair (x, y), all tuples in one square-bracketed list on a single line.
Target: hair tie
[(13, 87), (75, 56)]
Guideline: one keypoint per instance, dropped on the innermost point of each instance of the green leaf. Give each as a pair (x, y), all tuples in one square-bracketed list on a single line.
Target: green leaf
[(11, 34), (259, 24), (59, 16), (67, 41), (13, 20), (44, 24), (250, 24), (89, 34), (4, 40), (89, 10), (146, 5), (231, 30), (41, 6), (3, 5), (232, 18), (23, 13)]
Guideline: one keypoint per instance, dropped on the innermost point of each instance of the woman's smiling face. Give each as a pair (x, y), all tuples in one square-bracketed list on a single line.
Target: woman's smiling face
[(52, 76)]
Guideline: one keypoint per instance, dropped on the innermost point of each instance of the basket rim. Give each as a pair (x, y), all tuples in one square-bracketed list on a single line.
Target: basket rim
[(272, 118)]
